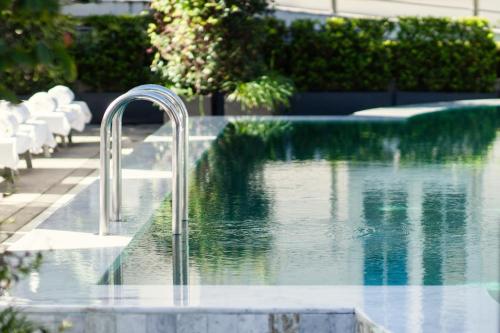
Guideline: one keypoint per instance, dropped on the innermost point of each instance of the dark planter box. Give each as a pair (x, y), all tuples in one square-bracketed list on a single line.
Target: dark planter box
[(143, 112), (336, 103), (308, 103), (137, 112), (416, 97)]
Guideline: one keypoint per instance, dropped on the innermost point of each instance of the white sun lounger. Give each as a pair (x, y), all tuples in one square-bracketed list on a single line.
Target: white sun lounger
[(21, 119), (12, 143), (43, 102), (66, 98), (56, 121)]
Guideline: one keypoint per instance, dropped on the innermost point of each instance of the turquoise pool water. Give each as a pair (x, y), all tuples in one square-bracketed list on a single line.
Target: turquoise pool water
[(337, 203)]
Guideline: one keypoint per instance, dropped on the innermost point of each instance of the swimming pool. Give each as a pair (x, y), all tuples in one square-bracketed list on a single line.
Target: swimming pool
[(337, 203), (324, 222)]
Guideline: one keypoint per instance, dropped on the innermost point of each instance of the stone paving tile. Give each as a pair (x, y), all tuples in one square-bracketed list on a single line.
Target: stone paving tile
[(100, 322), (253, 323), (317, 323), (191, 323), (160, 323), (222, 323), (342, 323), (127, 323)]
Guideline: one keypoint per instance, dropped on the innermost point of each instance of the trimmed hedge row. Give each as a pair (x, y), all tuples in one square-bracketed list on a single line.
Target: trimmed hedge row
[(444, 55), (415, 54), (111, 52), (498, 60), (340, 55)]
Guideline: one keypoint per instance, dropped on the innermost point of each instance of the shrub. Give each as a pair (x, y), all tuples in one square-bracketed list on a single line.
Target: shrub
[(33, 41), (266, 91), (441, 54), (274, 46), (342, 54), (498, 60), (111, 52), (204, 46), (207, 47), (430, 54), (228, 48)]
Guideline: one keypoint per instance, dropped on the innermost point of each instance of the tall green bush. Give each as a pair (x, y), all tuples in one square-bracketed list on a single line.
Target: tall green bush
[(442, 54), (208, 47), (33, 46), (111, 52), (204, 46)]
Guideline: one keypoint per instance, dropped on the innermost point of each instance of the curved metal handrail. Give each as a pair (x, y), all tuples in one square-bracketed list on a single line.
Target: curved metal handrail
[(112, 120), (116, 194)]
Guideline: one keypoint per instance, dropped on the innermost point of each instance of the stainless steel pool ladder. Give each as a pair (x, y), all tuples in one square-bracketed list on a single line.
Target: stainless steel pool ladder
[(112, 122)]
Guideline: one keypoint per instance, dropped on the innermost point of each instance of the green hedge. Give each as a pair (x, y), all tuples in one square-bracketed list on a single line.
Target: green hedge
[(498, 60), (342, 54), (111, 52), (440, 54), (33, 48), (424, 54), (416, 54)]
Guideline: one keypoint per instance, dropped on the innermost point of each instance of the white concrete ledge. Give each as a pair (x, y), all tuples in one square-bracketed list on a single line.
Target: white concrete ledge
[(408, 111)]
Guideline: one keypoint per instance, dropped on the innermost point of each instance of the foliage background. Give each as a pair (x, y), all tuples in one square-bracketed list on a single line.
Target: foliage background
[(205, 47), (418, 54), (441, 54), (339, 55), (113, 53), (33, 46)]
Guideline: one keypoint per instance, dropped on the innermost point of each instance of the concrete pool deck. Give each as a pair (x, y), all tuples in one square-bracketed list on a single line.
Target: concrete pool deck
[(75, 259), (37, 189), (408, 111)]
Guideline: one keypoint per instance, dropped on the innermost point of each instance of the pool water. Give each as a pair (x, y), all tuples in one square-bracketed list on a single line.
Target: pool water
[(337, 203)]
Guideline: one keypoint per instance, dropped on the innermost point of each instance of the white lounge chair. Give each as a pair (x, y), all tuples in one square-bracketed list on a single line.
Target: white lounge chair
[(56, 121), (44, 107), (38, 130), (13, 143), (42, 101), (8, 152), (65, 97)]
